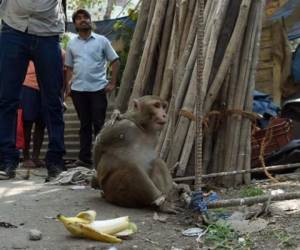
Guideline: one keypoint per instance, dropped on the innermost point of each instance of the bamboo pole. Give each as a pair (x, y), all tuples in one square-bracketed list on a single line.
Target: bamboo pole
[(187, 52), (183, 122), (217, 22), (230, 51), (239, 96), (184, 84), (151, 45), (166, 35), (254, 200), (187, 148), (187, 24), (133, 59), (149, 14), (249, 98), (245, 171)]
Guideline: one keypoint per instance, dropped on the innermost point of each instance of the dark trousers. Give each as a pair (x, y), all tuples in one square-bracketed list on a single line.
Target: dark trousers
[(38, 137), (91, 110), (16, 49)]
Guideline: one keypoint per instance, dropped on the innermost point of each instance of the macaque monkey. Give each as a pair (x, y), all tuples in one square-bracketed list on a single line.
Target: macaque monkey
[(129, 170)]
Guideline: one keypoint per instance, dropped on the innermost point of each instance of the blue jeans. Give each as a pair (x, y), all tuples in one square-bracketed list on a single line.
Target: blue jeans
[(16, 49)]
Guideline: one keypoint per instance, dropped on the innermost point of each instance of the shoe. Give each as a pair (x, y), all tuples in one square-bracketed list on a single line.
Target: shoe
[(7, 171), (79, 163), (28, 164), (38, 163), (53, 172)]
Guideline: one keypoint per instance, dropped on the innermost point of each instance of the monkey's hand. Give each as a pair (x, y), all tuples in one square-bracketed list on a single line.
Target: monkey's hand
[(116, 116), (169, 208)]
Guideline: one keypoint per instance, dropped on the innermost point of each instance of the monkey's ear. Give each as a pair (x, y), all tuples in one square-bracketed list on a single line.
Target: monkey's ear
[(136, 104)]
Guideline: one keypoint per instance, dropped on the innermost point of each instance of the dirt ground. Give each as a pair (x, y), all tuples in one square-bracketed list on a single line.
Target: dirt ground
[(30, 204)]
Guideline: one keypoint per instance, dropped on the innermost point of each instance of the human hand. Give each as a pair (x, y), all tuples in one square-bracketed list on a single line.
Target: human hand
[(68, 90), (110, 87)]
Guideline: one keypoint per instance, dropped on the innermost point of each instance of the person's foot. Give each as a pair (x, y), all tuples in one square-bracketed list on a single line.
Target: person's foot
[(38, 163), (28, 164), (79, 163), (53, 172), (7, 171)]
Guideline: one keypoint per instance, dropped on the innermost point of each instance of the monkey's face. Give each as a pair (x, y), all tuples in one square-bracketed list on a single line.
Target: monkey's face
[(159, 115), (151, 112)]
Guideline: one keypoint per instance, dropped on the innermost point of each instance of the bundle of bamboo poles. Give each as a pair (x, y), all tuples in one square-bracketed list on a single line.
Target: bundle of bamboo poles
[(163, 61)]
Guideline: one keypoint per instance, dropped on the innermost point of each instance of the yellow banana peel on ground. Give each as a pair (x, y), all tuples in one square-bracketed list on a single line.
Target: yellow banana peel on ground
[(85, 225)]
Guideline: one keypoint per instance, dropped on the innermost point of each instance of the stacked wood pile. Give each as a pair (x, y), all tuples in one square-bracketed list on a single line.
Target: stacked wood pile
[(163, 61), (275, 59)]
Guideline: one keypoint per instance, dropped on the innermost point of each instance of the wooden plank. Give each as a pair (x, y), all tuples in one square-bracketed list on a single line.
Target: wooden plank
[(265, 55), (264, 75), (266, 34), (276, 93), (265, 65)]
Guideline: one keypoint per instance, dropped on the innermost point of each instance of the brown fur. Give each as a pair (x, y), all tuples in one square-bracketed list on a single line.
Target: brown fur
[(129, 170)]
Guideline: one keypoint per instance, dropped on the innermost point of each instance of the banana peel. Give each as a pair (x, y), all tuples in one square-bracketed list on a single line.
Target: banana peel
[(110, 231)]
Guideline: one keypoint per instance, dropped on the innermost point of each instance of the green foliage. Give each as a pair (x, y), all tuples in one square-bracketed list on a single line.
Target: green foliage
[(251, 191), (220, 235), (125, 33), (284, 239), (64, 41), (77, 4)]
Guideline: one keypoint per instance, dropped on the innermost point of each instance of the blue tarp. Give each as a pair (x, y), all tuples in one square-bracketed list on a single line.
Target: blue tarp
[(105, 27), (296, 65), (291, 13), (263, 105)]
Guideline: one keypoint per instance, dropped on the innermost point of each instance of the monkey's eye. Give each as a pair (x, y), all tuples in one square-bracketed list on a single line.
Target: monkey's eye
[(157, 105), (164, 106)]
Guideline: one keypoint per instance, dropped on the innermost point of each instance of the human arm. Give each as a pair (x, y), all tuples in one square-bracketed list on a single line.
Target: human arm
[(115, 65), (69, 74), (68, 66)]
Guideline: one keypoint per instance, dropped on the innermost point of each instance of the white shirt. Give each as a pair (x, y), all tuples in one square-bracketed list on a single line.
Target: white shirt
[(88, 58)]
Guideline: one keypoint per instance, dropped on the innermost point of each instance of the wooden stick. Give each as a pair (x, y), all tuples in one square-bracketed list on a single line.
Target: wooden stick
[(249, 98), (151, 45), (230, 51), (253, 200), (166, 35), (253, 170), (133, 59)]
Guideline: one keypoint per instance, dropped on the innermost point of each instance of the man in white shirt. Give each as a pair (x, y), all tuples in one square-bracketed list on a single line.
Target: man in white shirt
[(86, 59)]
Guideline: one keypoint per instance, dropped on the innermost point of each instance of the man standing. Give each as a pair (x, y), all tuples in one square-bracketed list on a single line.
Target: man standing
[(30, 31), (86, 58)]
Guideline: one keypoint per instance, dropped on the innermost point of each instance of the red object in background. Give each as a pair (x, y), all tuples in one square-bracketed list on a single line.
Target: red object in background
[(281, 133), (20, 140)]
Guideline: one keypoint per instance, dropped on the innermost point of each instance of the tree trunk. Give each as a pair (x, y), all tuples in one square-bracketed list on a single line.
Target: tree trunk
[(109, 9)]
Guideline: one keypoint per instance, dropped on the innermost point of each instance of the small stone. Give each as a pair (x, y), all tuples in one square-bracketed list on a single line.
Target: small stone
[(91, 248), (18, 245), (35, 234), (135, 247), (112, 248), (242, 241)]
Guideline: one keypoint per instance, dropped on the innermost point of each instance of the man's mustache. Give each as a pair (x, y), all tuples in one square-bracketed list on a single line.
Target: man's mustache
[(83, 22)]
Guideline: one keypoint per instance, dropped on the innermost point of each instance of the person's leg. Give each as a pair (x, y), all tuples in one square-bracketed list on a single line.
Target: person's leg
[(81, 101), (48, 64), (98, 110), (27, 138), (38, 137), (14, 58)]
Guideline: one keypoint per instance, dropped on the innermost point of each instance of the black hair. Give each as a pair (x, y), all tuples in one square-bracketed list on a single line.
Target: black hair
[(80, 11)]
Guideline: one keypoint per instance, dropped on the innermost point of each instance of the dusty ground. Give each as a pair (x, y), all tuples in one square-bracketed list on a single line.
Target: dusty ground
[(30, 204)]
